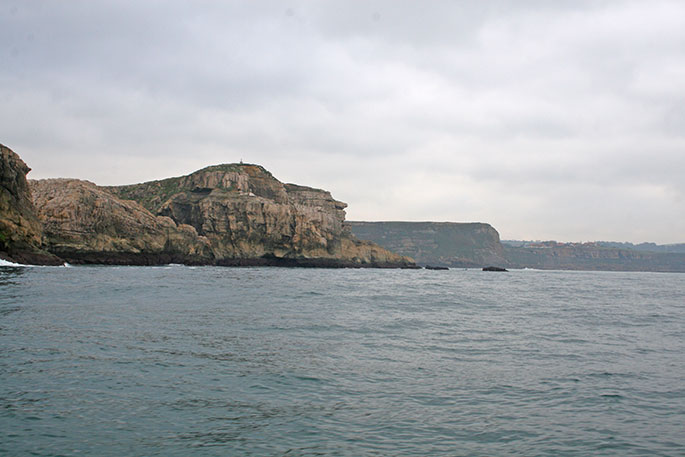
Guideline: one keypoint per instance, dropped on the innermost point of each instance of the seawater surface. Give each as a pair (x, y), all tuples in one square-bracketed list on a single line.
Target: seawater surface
[(206, 361)]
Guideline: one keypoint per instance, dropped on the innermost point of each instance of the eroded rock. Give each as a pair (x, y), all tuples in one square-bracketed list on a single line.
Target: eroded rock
[(83, 223), (20, 227)]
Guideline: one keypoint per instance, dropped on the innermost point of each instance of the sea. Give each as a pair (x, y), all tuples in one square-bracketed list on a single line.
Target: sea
[(218, 361)]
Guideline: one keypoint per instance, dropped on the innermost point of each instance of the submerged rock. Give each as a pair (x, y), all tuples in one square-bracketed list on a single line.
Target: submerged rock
[(494, 269)]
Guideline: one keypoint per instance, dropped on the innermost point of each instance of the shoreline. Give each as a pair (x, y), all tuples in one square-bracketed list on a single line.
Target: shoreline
[(146, 259)]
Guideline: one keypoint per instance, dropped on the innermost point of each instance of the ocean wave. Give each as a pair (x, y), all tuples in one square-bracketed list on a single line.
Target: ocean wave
[(7, 263)]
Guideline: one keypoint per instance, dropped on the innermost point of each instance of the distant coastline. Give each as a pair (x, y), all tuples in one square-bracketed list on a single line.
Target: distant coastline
[(472, 245), (241, 215)]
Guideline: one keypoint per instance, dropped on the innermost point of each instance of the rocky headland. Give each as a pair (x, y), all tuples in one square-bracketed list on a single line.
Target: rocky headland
[(248, 217), (233, 214)]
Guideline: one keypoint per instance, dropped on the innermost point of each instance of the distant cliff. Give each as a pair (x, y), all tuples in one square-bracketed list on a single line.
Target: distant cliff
[(233, 214), (478, 245), (677, 248), (437, 243), (20, 228), (590, 256)]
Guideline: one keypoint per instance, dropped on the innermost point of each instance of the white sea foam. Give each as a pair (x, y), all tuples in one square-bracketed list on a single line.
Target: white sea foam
[(6, 263)]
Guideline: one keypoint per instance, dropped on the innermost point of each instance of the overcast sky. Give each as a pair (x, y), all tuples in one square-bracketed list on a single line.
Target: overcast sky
[(548, 119)]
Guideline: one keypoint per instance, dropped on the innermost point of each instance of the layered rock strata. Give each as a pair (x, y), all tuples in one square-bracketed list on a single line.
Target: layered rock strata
[(236, 214), (85, 224), (249, 217)]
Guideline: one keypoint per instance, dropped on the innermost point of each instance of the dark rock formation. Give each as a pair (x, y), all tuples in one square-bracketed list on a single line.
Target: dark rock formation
[(431, 267), (436, 243), (494, 269), (20, 228)]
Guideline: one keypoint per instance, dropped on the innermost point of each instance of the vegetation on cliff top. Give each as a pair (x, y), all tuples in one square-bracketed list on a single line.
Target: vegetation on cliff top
[(153, 194)]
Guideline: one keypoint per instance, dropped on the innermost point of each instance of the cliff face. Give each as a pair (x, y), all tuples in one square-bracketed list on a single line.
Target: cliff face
[(246, 214), (20, 228), (437, 243), (84, 223), (226, 214)]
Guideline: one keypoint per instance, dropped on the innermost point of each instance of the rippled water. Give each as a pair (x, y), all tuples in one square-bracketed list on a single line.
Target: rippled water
[(269, 361)]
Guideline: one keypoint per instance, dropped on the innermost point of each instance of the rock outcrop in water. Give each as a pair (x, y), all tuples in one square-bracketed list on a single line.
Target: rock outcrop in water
[(236, 214), (20, 228), (491, 268)]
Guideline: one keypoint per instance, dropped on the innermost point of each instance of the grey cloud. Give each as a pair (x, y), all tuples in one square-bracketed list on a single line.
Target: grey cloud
[(407, 110)]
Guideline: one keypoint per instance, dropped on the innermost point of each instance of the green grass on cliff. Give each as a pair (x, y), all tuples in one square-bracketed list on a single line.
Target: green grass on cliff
[(234, 167), (150, 194)]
